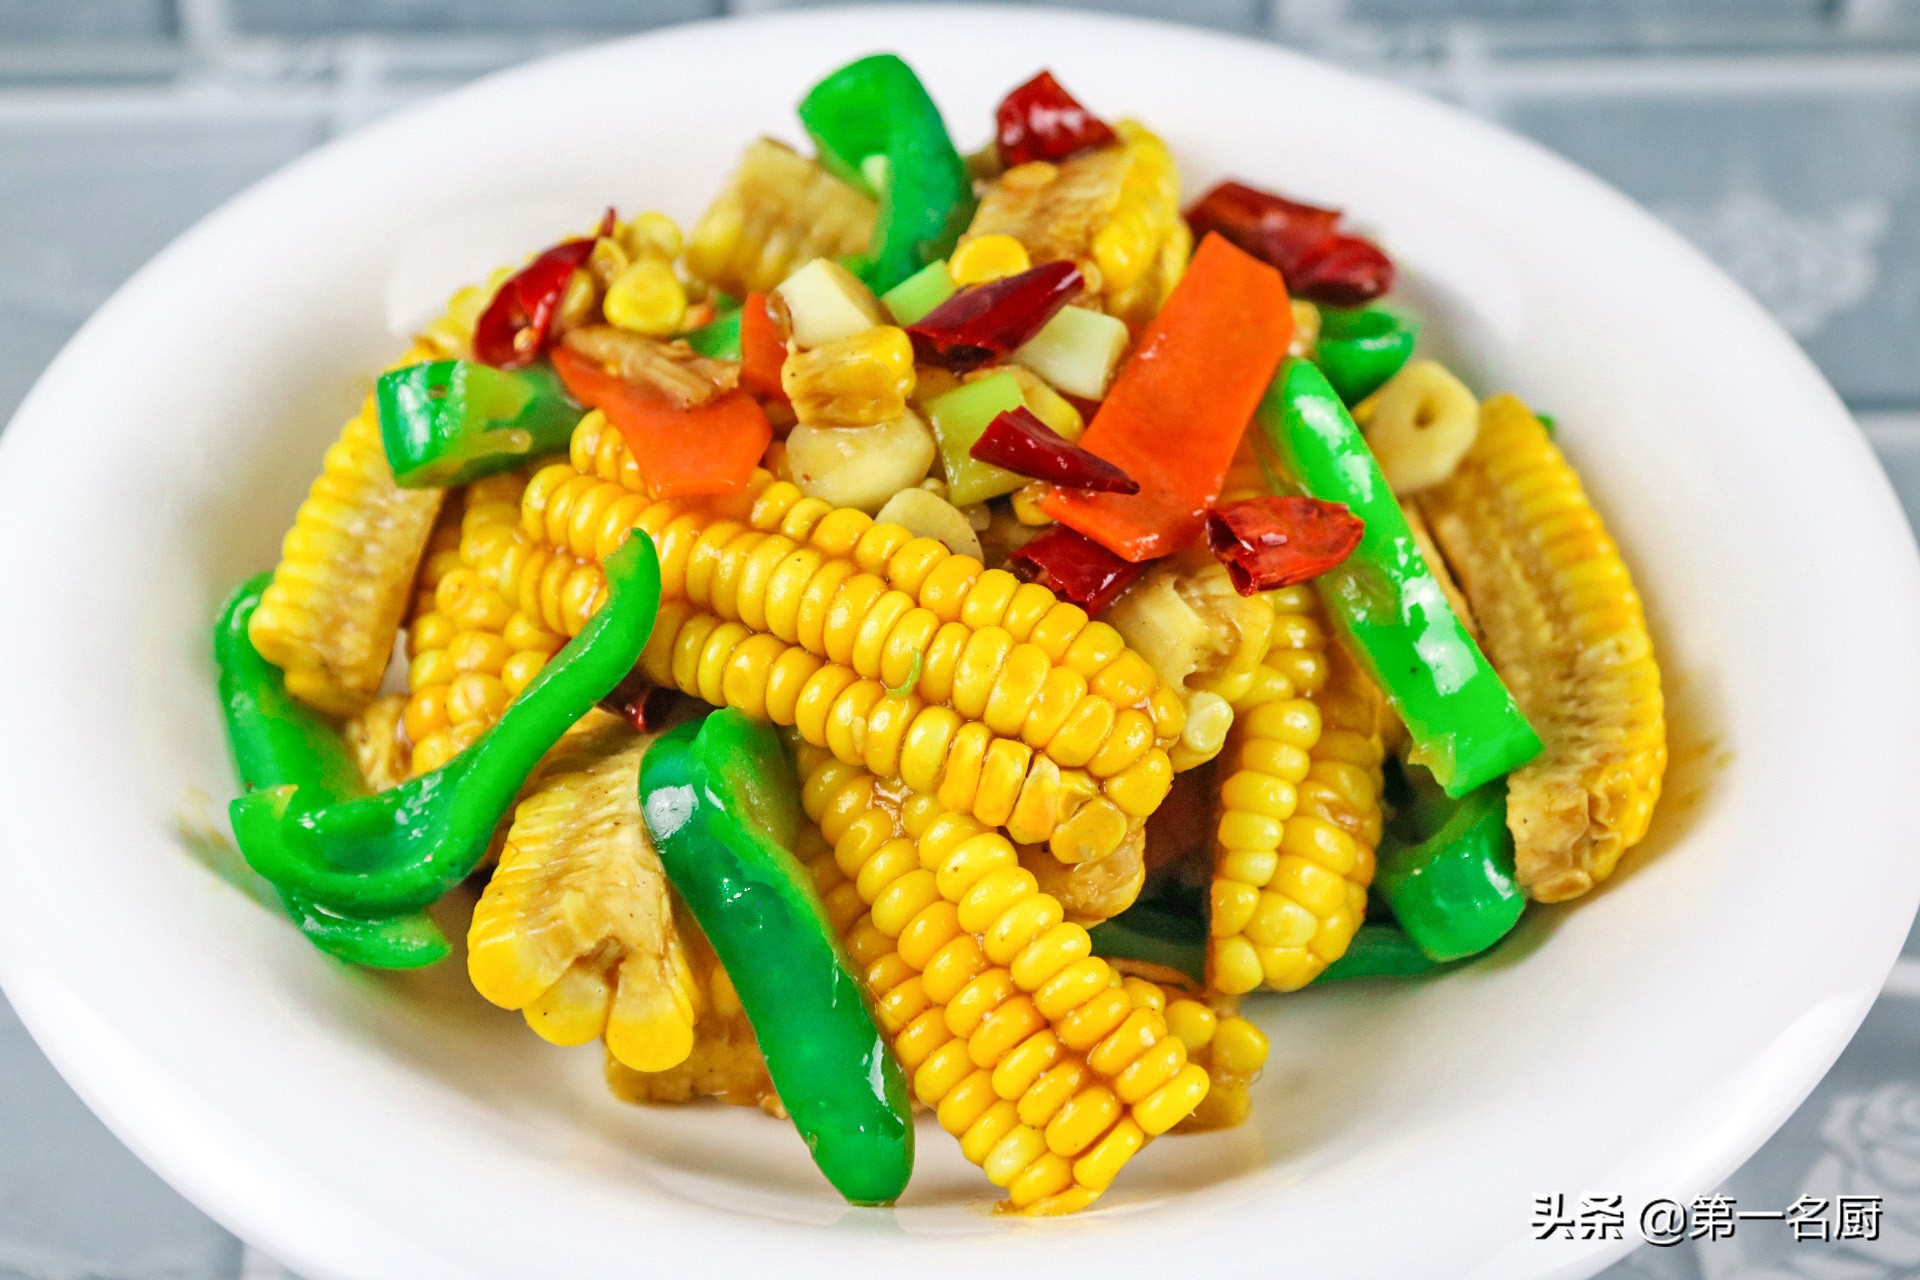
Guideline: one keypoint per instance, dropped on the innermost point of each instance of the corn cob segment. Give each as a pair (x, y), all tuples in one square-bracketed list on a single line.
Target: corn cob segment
[(1562, 623), (778, 211), (473, 651), (888, 649), (1114, 212), (1028, 1047), (576, 929), (1299, 811), (346, 570), (374, 738), (725, 1061)]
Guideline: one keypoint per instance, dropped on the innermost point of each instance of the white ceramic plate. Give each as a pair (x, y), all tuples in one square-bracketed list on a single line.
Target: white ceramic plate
[(1642, 1042)]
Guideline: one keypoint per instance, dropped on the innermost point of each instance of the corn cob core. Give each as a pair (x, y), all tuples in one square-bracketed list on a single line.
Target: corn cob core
[(1114, 211), (779, 211), (1026, 1045), (330, 615), (1299, 811), (888, 649), (473, 651), (577, 928), (1563, 624), (375, 740)]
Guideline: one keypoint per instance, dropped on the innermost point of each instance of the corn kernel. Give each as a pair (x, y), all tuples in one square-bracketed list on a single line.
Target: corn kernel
[(990, 257)]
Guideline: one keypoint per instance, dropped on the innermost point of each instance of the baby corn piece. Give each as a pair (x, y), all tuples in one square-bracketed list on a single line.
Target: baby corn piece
[(778, 211), (725, 1062), (576, 928), (1299, 811), (888, 649), (1561, 621), (1028, 1047), (1115, 212)]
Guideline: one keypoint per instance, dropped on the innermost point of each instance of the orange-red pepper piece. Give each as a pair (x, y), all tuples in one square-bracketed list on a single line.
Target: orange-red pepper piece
[(762, 349), (710, 449), (1175, 415)]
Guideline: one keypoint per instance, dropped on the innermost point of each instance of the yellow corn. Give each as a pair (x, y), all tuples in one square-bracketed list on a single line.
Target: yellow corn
[(1563, 625), (1005, 702), (1299, 811), (1028, 1048), (333, 609), (472, 652), (725, 1061), (857, 381), (576, 928), (1094, 889), (374, 739), (989, 257), (1115, 212), (643, 295), (778, 211)]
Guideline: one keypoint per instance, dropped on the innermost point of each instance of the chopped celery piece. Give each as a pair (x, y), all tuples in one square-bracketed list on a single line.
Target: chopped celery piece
[(1077, 351), (919, 293), (958, 418)]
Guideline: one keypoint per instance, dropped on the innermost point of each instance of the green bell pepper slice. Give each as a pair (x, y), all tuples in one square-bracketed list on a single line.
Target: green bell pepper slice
[(278, 741), (399, 851), (723, 804), (877, 128), (719, 338), (450, 422), (1359, 349), (1378, 951), (1463, 721), (1446, 870)]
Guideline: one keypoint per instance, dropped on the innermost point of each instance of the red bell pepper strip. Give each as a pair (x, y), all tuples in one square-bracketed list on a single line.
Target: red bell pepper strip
[(710, 449), (1019, 442), (1042, 121), (1269, 543), (990, 321), (1321, 263), (762, 349), (1075, 568), (514, 328), (1175, 415)]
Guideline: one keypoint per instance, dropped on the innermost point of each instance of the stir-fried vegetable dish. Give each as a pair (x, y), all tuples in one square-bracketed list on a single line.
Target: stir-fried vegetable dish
[(939, 635)]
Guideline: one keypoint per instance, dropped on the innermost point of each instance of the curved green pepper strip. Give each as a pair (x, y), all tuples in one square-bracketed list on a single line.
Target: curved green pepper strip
[(1378, 951), (1360, 349), (278, 741), (402, 849), (1463, 721), (876, 110), (450, 422), (723, 805), (1453, 891)]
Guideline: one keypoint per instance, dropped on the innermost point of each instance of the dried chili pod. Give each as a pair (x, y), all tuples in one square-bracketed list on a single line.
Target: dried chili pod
[(1075, 568), (1042, 121), (1019, 442), (514, 328), (1268, 543), (989, 321), (1320, 262)]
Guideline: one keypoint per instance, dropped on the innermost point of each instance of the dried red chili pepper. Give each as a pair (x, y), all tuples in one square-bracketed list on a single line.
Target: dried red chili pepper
[(1075, 568), (1268, 543), (1042, 121), (514, 328), (1319, 262), (1019, 442), (989, 321)]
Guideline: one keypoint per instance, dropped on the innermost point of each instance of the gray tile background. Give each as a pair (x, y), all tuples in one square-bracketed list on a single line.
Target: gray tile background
[(1781, 135)]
